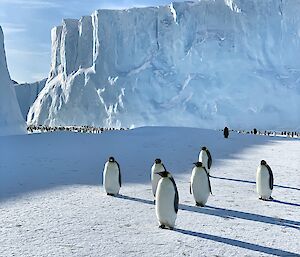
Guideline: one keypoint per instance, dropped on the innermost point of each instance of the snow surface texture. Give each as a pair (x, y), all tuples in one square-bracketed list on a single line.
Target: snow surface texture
[(11, 121), (27, 93), (52, 202), (203, 64)]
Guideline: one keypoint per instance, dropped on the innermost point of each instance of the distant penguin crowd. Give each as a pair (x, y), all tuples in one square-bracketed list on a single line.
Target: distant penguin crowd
[(99, 130), (76, 129), (164, 189), (293, 134)]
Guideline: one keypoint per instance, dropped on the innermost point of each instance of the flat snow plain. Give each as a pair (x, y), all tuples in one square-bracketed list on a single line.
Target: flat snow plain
[(52, 202)]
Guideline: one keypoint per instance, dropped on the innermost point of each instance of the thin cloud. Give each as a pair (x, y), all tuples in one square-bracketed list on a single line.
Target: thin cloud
[(11, 28), (32, 4), (13, 51), (39, 76)]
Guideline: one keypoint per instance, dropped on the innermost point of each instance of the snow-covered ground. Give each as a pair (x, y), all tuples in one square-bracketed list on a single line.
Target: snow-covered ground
[(52, 202)]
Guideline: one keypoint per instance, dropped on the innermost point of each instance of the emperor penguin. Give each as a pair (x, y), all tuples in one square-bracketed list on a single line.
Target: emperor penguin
[(200, 186), (158, 166), (205, 158), (264, 181), (167, 199), (112, 177)]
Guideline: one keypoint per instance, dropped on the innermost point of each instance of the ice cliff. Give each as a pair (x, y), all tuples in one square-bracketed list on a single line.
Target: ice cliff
[(207, 63), (11, 121), (27, 93)]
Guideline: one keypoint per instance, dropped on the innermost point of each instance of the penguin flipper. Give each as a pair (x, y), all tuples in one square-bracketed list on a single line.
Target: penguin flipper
[(271, 179), (190, 187), (176, 198), (120, 179), (209, 162), (176, 201), (209, 185)]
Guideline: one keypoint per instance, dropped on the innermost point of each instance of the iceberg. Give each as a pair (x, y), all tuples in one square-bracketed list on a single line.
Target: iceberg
[(208, 64), (11, 120)]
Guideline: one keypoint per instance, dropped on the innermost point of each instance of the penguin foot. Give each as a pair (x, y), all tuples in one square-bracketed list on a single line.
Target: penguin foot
[(162, 226), (271, 198), (154, 201), (110, 194), (263, 199), (199, 204)]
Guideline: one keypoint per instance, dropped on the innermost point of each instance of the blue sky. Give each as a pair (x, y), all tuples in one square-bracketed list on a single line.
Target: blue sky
[(27, 25)]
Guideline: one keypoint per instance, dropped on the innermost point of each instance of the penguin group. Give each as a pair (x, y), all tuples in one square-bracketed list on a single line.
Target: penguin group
[(76, 129), (164, 189)]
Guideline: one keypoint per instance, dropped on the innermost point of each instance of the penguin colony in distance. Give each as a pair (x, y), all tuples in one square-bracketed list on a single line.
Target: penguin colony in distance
[(264, 181), (205, 158), (165, 191), (200, 186), (112, 177)]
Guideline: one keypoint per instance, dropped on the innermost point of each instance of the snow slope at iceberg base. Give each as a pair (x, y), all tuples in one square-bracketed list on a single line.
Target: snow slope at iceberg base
[(52, 201), (201, 64), (11, 120)]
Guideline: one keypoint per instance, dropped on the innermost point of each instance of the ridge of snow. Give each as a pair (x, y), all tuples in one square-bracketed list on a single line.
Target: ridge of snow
[(173, 11), (232, 6)]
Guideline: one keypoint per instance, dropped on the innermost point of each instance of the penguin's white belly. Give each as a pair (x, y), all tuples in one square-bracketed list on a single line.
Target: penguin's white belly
[(263, 183), (155, 177), (165, 196), (204, 159), (111, 180), (200, 187)]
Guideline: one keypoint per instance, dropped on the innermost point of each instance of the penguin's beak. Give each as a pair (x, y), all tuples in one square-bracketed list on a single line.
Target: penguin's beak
[(194, 163)]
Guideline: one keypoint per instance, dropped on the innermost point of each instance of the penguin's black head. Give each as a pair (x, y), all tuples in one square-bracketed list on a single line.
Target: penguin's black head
[(263, 162), (204, 148), (111, 159), (157, 161), (198, 164), (164, 174)]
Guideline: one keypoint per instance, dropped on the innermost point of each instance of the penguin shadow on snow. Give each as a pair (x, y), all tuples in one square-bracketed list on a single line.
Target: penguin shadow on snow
[(224, 213), (255, 217), (286, 203), (227, 214), (253, 182), (237, 243), (135, 199)]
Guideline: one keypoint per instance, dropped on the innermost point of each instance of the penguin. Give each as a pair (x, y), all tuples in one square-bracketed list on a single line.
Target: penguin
[(167, 199), (156, 167), (112, 177), (200, 186), (205, 158), (226, 132), (264, 181)]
